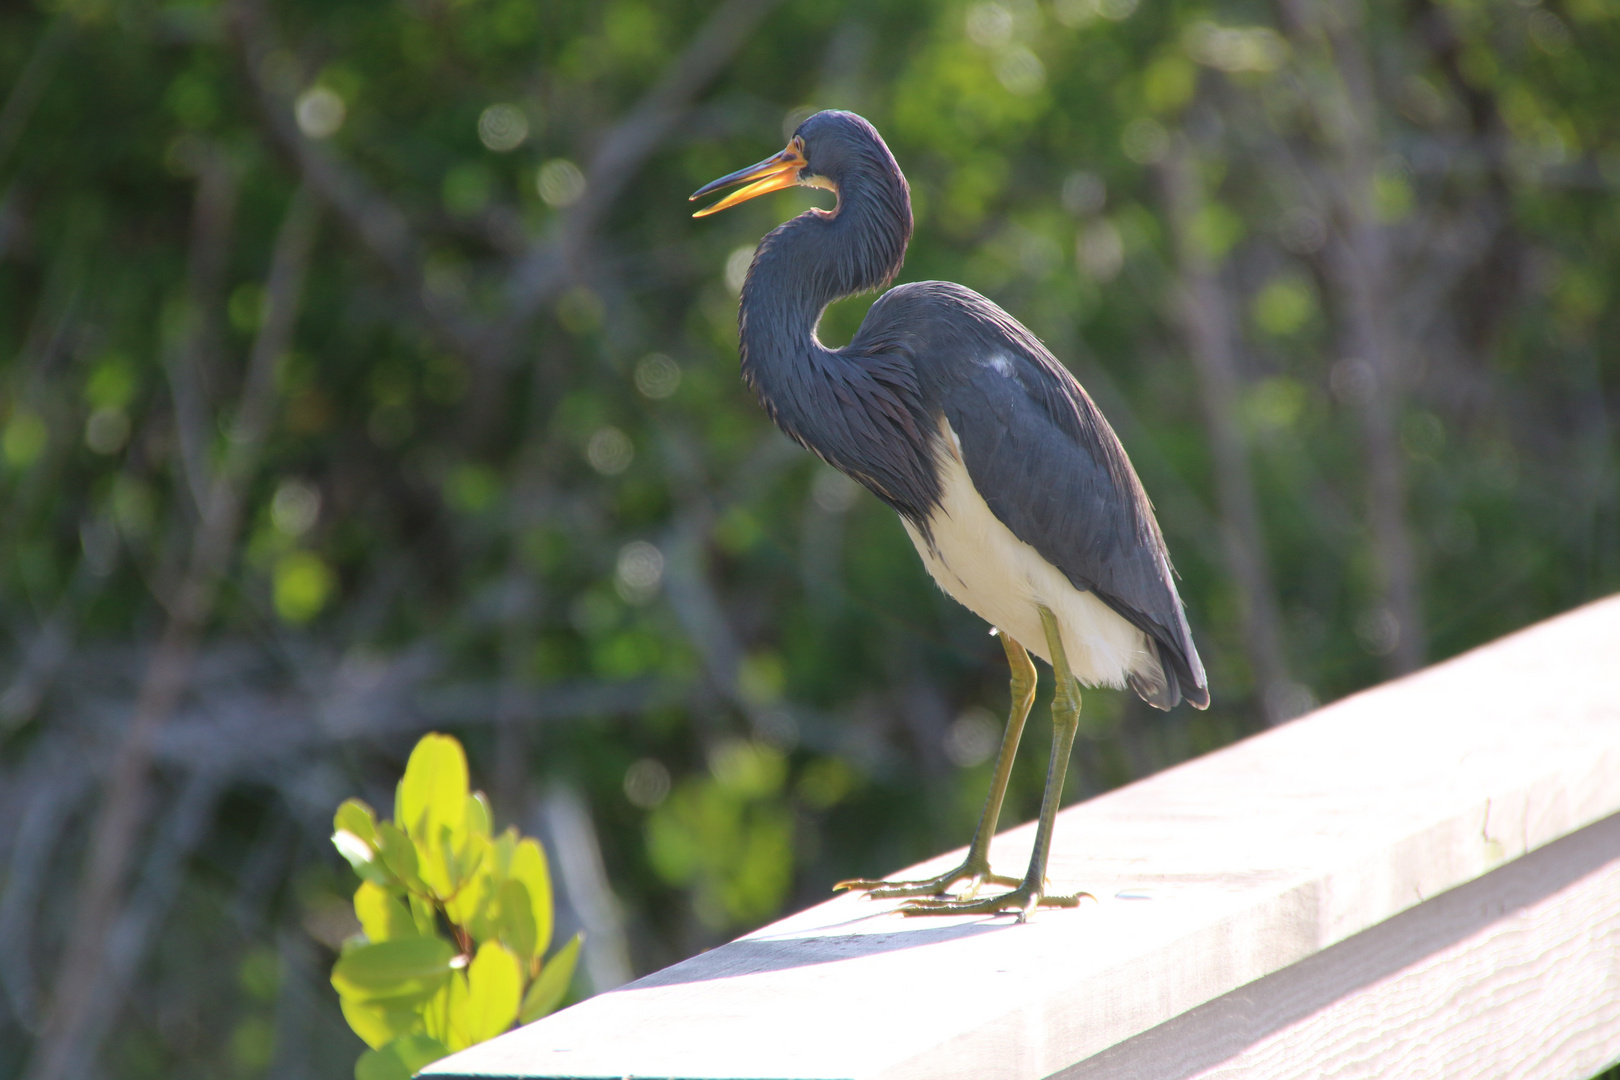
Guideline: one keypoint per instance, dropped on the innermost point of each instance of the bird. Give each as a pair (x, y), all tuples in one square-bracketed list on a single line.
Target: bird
[(1011, 484)]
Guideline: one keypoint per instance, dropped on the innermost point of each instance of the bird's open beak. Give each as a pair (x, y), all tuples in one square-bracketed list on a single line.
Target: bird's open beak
[(775, 173)]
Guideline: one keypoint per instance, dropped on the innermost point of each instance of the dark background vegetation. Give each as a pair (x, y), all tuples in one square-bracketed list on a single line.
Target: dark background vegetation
[(362, 373)]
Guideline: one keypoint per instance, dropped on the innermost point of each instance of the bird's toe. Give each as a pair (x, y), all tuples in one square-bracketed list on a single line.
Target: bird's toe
[(1020, 901), (938, 886)]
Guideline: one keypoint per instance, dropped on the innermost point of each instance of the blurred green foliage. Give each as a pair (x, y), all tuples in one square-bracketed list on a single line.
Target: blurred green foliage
[(574, 538), (412, 991), (728, 836)]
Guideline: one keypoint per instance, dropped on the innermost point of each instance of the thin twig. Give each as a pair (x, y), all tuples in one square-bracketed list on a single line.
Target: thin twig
[(192, 352)]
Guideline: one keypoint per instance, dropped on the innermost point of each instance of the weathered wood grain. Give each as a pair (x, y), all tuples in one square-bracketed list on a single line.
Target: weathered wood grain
[(1276, 873)]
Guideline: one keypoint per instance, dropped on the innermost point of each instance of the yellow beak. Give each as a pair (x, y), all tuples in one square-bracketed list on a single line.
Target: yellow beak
[(775, 173)]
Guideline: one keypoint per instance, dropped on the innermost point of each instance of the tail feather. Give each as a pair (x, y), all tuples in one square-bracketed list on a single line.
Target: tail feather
[(1164, 685)]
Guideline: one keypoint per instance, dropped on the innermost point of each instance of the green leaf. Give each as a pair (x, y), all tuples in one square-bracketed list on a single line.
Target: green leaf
[(377, 1064), (424, 914), (420, 1051), (354, 834), (361, 856), (383, 914), (433, 794), (445, 1015), (356, 817), (494, 987), (436, 864), (529, 867), (398, 854), (548, 991), (400, 1059), (479, 815), (378, 1023), (473, 904), (501, 851), (405, 969), (514, 922), (455, 862)]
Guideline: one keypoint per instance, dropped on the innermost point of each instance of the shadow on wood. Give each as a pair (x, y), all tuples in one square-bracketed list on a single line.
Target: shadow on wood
[(754, 954)]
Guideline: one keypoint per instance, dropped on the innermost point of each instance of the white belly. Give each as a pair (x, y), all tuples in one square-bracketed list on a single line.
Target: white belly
[(980, 563)]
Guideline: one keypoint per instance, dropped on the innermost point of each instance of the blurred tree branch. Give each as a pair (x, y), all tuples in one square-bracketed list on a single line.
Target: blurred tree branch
[(1497, 272), (1210, 331), (114, 836), (195, 347), (1358, 258), (184, 823)]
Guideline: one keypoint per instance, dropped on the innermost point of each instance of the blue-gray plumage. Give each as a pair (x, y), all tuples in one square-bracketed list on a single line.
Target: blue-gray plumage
[(1016, 492)]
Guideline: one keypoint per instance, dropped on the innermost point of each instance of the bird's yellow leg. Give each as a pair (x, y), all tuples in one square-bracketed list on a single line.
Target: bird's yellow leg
[(1031, 892), (975, 869)]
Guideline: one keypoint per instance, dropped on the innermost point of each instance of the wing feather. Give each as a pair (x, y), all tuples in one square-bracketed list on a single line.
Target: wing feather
[(1045, 459)]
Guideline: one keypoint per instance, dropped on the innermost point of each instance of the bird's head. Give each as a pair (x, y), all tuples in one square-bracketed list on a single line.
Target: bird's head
[(826, 150)]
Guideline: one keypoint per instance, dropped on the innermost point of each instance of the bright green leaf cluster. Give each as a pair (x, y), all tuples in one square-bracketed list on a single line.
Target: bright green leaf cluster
[(411, 992)]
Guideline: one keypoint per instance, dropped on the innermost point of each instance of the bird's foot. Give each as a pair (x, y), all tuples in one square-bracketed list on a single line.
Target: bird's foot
[(938, 886), (1020, 901)]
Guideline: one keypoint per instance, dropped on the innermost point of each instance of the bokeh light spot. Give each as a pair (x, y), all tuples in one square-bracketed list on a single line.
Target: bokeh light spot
[(657, 376), (609, 451), (560, 183), (320, 112), (502, 128)]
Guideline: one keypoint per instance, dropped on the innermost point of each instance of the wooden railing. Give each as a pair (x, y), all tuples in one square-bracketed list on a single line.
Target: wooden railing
[(1421, 880)]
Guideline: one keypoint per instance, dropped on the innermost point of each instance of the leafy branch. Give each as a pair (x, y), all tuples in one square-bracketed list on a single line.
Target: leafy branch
[(455, 921)]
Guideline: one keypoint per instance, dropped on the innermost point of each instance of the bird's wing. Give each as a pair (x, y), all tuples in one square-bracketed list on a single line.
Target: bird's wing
[(1041, 454), (1044, 458), (1051, 469)]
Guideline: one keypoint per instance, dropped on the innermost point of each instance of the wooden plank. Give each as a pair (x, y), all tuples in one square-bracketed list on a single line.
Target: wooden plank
[(1515, 974), (1252, 861)]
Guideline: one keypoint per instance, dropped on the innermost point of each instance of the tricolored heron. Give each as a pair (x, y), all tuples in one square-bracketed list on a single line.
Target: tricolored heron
[(1014, 489)]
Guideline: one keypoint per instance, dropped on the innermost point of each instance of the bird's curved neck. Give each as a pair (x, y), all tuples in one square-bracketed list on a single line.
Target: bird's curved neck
[(815, 259)]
